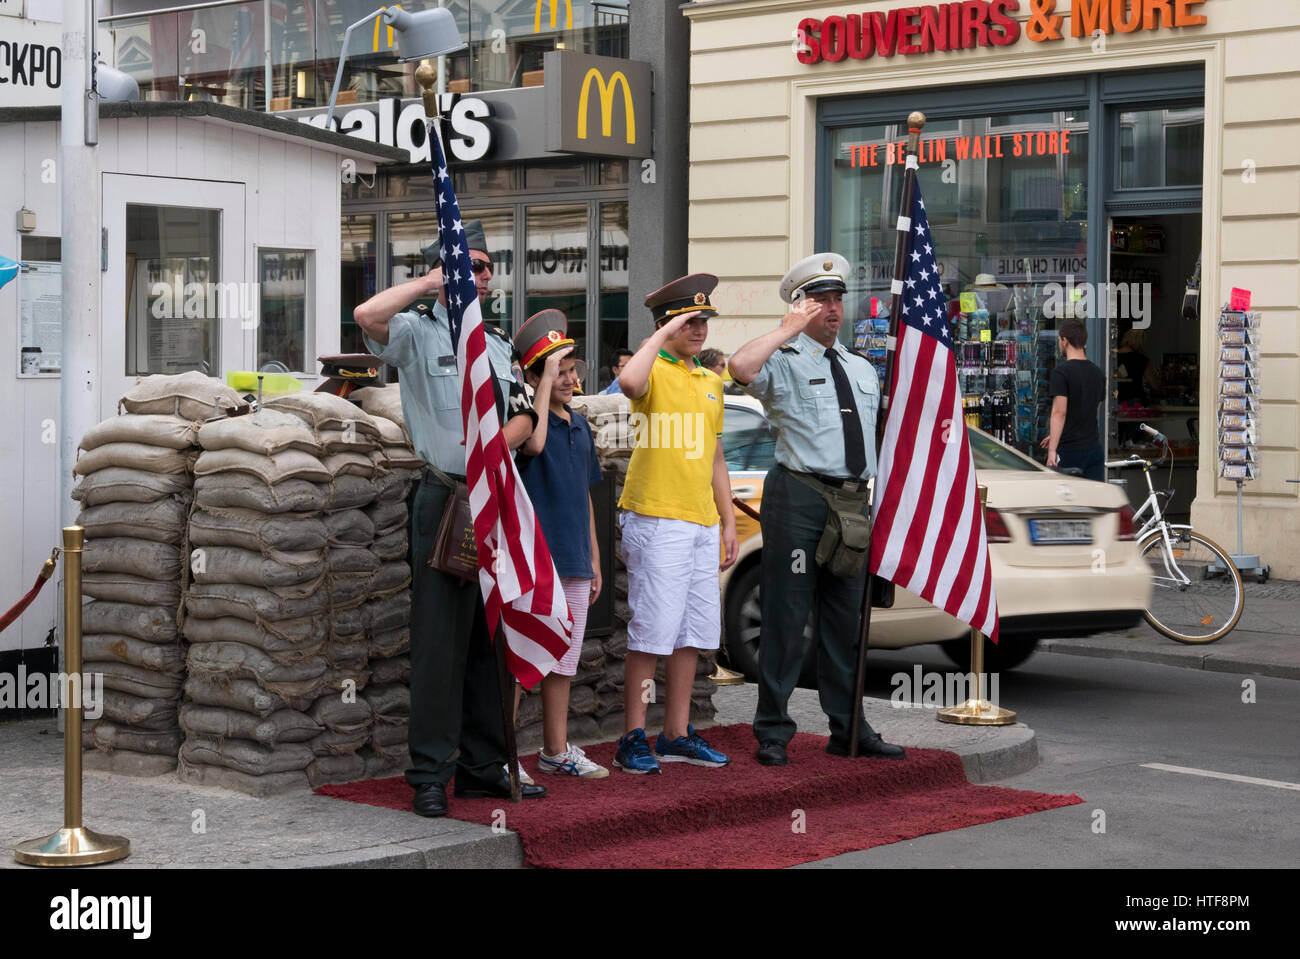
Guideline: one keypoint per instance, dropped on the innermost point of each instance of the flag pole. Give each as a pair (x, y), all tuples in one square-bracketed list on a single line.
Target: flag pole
[(425, 76), (915, 124)]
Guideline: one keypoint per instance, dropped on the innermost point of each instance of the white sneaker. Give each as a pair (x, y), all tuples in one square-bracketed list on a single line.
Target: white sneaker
[(524, 778), (572, 762)]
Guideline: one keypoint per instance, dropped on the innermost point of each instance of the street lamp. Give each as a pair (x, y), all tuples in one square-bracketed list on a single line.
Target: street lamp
[(420, 35)]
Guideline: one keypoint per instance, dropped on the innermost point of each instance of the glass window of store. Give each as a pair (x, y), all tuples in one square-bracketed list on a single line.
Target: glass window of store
[(357, 269), (1017, 201), (284, 319)]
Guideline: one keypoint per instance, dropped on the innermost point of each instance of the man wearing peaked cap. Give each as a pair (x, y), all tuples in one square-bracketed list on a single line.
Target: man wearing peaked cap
[(676, 500), (455, 724), (821, 399), (475, 239)]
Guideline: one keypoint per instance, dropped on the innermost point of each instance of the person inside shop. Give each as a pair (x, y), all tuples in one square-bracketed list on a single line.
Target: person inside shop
[(455, 723), (1077, 387), (558, 466), (620, 360), (677, 520), (822, 399), (1137, 378)]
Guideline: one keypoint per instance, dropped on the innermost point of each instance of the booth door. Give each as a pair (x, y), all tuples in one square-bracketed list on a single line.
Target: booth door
[(177, 295)]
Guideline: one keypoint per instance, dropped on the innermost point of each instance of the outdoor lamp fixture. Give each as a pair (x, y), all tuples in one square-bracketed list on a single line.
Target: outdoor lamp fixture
[(420, 35), (114, 86)]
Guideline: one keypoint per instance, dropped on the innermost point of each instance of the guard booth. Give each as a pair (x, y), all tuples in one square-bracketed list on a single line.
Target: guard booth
[(220, 252)]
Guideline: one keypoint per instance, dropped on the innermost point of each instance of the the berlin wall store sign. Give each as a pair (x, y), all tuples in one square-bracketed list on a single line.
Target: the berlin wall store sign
[(908, 31)]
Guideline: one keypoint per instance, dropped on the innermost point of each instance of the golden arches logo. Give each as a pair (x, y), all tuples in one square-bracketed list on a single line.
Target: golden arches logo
[(606, 103), (568, 15), (379, 22)]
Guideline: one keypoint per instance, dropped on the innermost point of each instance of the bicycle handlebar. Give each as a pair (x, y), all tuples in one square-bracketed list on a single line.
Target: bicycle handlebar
[(1137, 460)]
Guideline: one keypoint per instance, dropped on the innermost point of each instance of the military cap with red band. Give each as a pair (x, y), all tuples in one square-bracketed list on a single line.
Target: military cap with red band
[(542, 334), (689, 294)]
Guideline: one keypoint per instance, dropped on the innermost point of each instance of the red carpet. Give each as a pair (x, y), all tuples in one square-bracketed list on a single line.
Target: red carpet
[(741, 816)]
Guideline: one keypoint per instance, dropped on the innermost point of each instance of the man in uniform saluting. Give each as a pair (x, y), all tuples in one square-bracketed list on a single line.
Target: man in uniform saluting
[(455, 697), (821, 399)]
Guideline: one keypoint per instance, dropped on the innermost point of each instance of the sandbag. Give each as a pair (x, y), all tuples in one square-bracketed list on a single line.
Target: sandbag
[(332, 743), (350, 464), (229, 564), (348, 590), (351, 652), (134, 456), (281, 726), (349, 527), (271, 470), (352, 559), (266, 432), (192, 396), (338, 442), (350, 492), (381, 401), (244, 756), (390, 735), (386, 517), (387, 671), (240, 661), (249, 529), (325, 411), (106, 647), (137, 557), (395, 642), (393, 486), (125, 588), (146, 683), (116, 484), (153, 624), (139, 711), (244, 695), (342, 679), (335, 769), (242, 491), (251, 603), (162, 521), (349, 622), (286, 643), (269, 784), (393, 546), (335, 712), (390, 578), (402, 457), (107, 737), (389, 701), (171, 432)]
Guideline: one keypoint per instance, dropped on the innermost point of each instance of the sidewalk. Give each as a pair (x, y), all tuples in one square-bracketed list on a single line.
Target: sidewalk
[(162, 817), (1266, 642)]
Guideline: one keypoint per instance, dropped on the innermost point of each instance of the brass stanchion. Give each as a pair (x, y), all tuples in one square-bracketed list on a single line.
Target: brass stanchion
[(977, 711), (73, 845)]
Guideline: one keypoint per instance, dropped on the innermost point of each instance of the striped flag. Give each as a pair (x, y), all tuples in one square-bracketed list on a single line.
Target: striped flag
[(521, 590), (928, 530)]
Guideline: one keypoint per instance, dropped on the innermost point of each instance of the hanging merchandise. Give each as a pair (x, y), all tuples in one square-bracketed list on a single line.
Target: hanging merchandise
[(1238, 432)]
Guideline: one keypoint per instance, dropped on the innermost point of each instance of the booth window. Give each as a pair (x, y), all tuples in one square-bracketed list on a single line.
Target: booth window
[(284, 329), (175, 299)]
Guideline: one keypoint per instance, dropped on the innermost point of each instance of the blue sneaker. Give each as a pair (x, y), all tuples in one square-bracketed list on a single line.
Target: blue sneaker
[(690, 748), (633, 755)]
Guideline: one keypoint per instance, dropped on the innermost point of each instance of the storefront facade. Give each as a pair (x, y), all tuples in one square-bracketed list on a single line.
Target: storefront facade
[(1077, 160)]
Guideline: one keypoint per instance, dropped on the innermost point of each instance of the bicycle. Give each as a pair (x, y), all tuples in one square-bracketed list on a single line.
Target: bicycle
[(1196, 591)]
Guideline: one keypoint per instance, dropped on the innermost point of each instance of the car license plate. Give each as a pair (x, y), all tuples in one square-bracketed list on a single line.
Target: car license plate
[(1054, 532)]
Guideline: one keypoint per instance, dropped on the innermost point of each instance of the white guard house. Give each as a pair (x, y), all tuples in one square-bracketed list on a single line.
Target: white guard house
[(220, 253)]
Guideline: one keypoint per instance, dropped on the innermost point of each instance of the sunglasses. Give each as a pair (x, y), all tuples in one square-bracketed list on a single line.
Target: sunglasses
[(480, 265)]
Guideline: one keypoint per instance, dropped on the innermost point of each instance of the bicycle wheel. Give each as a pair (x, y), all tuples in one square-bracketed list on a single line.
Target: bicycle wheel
[(1202, 610)]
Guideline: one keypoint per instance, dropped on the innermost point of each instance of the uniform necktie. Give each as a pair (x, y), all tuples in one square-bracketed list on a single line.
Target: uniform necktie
[(855, 449)]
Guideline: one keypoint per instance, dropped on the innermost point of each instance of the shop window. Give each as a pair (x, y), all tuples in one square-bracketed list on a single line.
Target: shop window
[(1161, 148), (175, 299), (357, 269), (556, 176), (40, 306), (285, 292), (613, 289), (508, 38), (555, 266), (613, 172)]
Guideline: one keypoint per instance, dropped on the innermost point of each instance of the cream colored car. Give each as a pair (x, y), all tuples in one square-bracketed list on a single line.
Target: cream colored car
[(1064, 558)]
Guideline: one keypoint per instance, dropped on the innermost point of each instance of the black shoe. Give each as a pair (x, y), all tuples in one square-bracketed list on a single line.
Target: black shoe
[(430, 800), (869, 744), (771, 752), (474, 789)]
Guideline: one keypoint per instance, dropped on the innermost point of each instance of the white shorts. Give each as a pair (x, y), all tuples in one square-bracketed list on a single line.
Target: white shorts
[(672, 584)]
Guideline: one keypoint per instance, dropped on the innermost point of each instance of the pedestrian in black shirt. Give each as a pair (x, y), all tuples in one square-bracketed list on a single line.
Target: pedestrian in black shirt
[(1078, 387)]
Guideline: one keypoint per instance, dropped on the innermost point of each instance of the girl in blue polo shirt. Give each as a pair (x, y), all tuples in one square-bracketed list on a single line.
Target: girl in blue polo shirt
[(558, 465)]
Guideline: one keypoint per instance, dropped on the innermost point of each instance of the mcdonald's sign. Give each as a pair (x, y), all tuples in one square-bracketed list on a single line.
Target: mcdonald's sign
[(555, 9), (380, 31), (598, 105)]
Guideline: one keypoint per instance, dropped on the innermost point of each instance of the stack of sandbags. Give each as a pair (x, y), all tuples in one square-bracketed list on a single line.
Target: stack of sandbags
[(135, 497), (258, 609)]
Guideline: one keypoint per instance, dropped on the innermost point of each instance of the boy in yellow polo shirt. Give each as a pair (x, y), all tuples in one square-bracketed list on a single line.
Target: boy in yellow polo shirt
[(676, 497)]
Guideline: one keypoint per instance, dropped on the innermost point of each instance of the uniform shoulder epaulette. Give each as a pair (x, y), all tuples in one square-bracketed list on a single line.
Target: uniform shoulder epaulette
[(856, 352), (423, 309), (789, 348), (497, 331)]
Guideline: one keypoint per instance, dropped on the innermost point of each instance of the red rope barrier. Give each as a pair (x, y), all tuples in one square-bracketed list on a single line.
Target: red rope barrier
[(17, 609)]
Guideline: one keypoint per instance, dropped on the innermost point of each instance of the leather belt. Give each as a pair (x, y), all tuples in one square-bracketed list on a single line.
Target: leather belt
[(431, 475), (837, 482)]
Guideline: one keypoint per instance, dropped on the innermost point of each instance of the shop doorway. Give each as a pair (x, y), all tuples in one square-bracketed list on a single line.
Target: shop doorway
[(1154, 348)]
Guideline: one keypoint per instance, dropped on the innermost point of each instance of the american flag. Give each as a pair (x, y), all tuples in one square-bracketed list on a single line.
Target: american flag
[(521, 590), (928, 530)]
